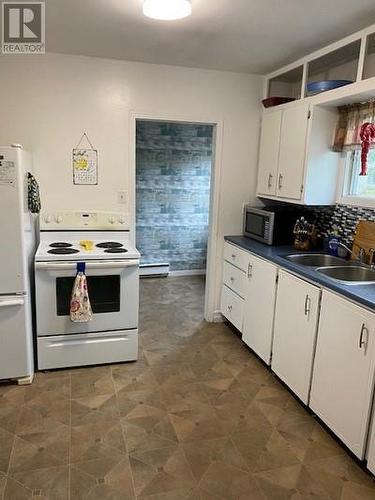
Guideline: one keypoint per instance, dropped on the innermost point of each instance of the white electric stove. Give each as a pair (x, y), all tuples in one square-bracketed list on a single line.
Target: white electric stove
[(102, 240)]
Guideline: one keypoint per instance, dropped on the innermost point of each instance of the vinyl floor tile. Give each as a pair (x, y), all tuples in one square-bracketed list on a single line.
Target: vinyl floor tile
[(197, 417)]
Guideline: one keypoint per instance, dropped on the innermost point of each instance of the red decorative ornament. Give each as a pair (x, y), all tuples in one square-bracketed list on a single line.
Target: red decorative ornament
[(367, 134)]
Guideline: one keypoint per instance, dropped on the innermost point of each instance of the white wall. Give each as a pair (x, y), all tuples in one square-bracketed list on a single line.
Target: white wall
[(47, 102)]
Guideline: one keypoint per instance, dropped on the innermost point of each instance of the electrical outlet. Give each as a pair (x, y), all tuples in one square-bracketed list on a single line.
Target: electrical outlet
[(121, 197)]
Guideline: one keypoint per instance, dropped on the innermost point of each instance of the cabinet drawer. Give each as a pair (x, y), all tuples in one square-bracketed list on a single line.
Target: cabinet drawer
[(232, 307), (234, 278), (236, 256), (62, 351)]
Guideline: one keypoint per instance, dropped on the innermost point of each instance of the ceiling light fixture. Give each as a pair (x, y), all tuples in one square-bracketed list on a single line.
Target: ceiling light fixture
[(167, 10)]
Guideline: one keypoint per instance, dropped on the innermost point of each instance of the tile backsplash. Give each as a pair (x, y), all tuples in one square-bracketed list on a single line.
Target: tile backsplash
[(342, 217), (173, 169)]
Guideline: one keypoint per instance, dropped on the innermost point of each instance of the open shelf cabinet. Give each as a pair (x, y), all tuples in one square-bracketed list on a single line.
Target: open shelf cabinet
[(352, 58), (340, 64), (288, 84)]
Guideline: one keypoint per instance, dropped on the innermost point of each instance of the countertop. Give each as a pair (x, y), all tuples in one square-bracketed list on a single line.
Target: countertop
[(362, 294)]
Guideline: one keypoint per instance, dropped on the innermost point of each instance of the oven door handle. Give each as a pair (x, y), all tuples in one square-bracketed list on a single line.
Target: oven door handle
[(11, 302), (56, 266), (64, 343)]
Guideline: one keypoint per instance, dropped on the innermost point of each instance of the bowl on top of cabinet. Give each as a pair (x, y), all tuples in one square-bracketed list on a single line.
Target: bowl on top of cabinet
[(270, 102), (324, 85)]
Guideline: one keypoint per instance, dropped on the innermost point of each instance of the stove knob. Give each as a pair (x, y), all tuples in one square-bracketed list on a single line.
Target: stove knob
[(112, 220), (47, 218), (122, 220), (59, 219)]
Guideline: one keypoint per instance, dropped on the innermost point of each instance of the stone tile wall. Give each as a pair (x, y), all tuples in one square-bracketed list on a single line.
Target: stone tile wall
[(173, 170)]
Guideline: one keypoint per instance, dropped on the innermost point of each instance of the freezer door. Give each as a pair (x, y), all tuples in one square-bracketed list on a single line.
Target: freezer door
[(16, 354), (12, 206)]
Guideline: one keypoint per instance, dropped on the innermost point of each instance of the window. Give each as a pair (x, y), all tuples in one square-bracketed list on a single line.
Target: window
[(359, 189)]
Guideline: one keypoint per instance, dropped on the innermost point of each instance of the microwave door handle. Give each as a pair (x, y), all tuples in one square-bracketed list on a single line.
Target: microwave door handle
[(55, 266)]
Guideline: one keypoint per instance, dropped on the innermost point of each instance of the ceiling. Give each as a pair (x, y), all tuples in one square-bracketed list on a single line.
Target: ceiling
[(250, 36)]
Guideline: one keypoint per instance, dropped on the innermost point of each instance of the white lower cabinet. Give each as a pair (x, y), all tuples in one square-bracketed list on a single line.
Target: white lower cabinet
[(232, 307), (326, 355), (259, 307), (235, 279), (370, 451), (296, 320), (343, 378)]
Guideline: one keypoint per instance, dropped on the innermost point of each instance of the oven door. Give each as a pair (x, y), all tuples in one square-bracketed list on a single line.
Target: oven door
[(113, 288)]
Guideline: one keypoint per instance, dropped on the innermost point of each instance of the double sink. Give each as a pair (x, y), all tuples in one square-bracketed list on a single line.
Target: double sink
[(339, 270)]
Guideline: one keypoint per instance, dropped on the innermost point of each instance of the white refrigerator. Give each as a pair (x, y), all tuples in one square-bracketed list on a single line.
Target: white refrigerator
[(17, 247)]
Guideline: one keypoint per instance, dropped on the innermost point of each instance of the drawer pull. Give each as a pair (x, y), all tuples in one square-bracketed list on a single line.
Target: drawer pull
[(362, 343), (270, 177), (249, 270), (307, 305), (232, 279), (233, 256)]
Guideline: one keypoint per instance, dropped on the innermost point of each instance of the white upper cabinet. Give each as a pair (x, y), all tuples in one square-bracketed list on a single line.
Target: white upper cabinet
[(343, 378), (296, 163), (269, 153), (296, 320), (292, 152)]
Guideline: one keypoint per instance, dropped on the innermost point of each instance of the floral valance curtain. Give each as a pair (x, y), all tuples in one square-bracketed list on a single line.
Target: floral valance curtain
[(356, 129), (351, 119)]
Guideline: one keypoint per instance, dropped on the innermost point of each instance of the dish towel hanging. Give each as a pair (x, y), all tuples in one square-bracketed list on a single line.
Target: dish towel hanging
[(33, 194), (80, 307)]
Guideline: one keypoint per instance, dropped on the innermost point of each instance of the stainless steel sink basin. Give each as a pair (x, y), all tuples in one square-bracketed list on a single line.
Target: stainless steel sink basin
[(316, 260), (349, 275)]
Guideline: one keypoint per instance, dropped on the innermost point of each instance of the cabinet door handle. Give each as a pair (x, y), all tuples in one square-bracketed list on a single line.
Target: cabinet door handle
[(230, 308), (270, 177), (281, 177), (232, 279), (361, 341), (233, 256), (307, 305), (249, 270)]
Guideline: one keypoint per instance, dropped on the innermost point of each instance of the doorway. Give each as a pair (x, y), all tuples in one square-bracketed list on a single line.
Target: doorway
[(174, 197)]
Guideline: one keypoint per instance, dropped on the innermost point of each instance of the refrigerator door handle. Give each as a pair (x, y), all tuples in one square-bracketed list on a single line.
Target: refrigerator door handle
[(11, 302)]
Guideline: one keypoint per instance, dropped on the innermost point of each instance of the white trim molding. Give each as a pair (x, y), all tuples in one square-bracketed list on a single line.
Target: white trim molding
[(217, 317), (187, 272)]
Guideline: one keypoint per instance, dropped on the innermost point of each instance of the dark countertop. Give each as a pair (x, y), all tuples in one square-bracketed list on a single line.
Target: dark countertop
[(362, 294)]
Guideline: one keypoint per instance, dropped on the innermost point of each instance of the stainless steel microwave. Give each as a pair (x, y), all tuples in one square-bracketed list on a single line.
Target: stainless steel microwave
[(270, 225)]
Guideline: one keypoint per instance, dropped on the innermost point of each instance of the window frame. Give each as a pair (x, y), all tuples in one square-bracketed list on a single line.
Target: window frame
[(344, 198)]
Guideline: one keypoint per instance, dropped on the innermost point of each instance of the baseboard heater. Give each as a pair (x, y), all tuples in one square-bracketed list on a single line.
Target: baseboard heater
[(149, 270)]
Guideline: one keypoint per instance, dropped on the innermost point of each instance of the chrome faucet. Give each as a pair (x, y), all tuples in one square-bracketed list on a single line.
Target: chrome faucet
[(361, 254), (372, 258)]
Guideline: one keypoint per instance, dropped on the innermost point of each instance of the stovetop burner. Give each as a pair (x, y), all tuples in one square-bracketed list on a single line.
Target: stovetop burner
[(115, 250), (63, 251), (60, 244), (109, 244)]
